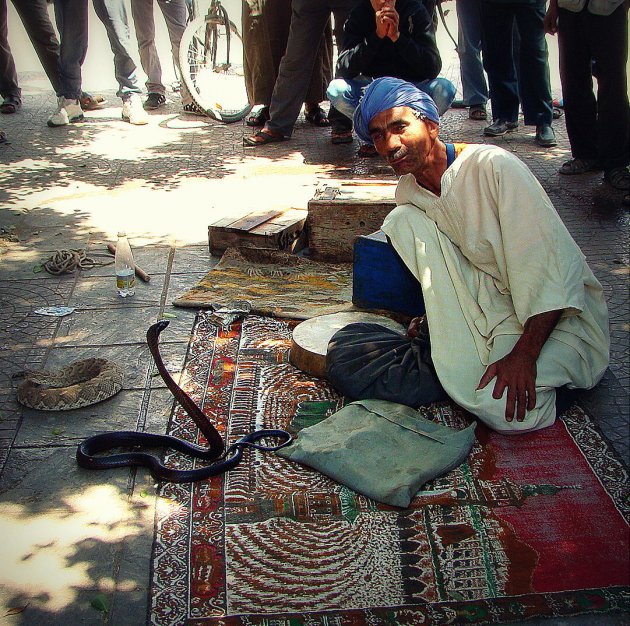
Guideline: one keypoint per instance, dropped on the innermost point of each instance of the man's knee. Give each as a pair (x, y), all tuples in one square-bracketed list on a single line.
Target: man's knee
[(492, 413), (443, 92), (338, 90)]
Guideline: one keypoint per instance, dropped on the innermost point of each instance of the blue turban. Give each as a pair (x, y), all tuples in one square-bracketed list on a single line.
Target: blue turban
[(386, 93)]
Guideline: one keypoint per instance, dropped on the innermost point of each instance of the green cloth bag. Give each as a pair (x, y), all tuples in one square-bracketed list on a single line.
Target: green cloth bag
[(381, 449)]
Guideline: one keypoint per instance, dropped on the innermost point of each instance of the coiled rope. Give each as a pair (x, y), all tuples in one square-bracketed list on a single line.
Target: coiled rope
[(68, 261)]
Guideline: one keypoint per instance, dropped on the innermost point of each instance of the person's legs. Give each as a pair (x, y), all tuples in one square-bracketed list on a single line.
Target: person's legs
[(9, 87), (142, 11), (580, 106), (308, 20), (175, 14), (39, 28), (497, 23), (441, 90), (534, 81), (72, 22), (113, 15), (474, 86), (608, 38)]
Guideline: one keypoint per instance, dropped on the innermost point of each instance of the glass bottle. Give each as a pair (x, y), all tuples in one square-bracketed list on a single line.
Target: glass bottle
[(125, 267)]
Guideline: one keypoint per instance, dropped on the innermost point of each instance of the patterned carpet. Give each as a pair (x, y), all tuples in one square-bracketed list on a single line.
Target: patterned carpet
[(534, 525)]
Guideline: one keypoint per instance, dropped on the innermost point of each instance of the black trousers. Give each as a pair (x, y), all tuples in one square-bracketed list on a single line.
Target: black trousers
[(598, 128), (498, 21)]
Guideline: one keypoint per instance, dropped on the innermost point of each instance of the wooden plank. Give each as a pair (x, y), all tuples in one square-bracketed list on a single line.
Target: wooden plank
[(251, 220), (283, 231)]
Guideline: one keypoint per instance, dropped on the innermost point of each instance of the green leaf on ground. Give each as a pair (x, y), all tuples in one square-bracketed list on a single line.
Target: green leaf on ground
[(99, 602)]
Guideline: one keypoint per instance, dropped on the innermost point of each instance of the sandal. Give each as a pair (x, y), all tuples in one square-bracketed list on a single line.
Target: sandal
[(577, 166), (317, 117), (193, 109), (10, 105), (90, 102), (557, 113), (260, 118), (262, 138), (618, 178), (343, 136), (477, 112)]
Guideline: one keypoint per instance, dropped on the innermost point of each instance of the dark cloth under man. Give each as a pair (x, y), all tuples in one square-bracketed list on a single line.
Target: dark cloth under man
[(499, 19), (411, 55)]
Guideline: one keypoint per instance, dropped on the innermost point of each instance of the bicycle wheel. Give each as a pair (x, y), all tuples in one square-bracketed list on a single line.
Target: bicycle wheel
[(211, 62)]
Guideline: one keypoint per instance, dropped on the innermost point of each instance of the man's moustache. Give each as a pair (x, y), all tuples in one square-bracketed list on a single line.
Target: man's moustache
[(399, 154)]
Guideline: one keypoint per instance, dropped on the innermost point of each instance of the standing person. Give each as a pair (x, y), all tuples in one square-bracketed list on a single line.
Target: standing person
[(72, 23), (175, 15), (513, 311), (39, 28), (499, 18), (34, 16), (388, 38), (598, 128), (474, 84), (265, 34), (113, 15), (308, 22)]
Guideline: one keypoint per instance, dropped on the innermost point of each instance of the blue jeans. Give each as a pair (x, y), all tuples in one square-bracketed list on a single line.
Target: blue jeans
[(72, 22), (344, 94), (474, 83), (113, 14)]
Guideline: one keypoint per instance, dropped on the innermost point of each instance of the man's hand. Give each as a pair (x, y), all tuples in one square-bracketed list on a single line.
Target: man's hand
[(391, 18), (387, 19), (516, 371)]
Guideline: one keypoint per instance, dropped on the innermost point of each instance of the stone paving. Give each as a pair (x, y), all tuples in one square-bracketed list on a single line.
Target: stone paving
[(74, 539)]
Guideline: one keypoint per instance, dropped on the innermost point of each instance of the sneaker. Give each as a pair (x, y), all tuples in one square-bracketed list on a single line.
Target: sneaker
[(618, 178), (499, 127), (133, 112), (545, 137), (68, 111), (154, 101)]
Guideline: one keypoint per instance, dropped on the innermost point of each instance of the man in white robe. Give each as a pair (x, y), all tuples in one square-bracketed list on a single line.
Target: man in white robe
[(509, 297)]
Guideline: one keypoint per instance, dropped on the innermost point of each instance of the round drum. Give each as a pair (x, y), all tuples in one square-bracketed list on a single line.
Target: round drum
[(310, 338)]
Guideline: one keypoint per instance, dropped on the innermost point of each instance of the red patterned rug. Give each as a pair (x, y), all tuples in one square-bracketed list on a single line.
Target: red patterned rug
[(531, 525)]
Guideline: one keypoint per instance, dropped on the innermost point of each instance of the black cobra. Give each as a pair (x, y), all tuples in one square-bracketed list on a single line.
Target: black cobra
[(220, 459)]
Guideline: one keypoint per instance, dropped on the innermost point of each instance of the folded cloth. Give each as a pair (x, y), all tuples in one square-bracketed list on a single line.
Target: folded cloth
[(381, 449), (367, 360)]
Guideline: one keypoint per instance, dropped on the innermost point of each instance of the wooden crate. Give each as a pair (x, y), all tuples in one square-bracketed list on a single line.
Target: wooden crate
[(380, 279), (281, 229), (340, 211)]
